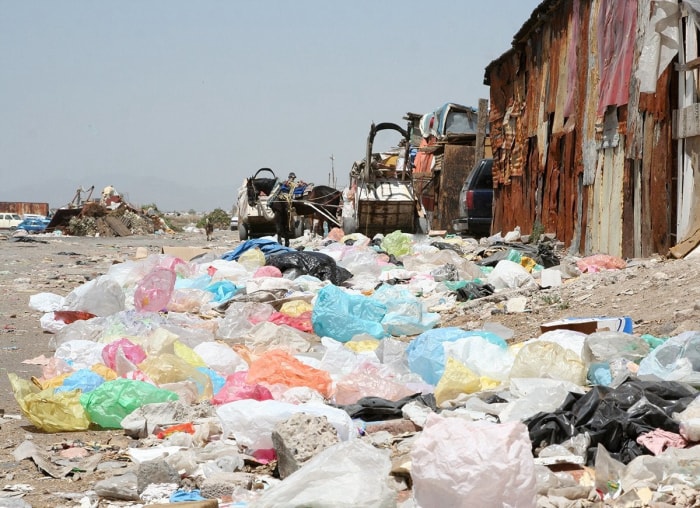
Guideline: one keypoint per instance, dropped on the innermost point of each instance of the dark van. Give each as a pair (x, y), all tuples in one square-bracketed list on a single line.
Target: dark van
[(475, 201)]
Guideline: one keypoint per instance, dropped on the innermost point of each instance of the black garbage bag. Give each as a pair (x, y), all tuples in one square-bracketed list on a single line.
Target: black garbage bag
[(542, 253), (376, 409), (317, 264), (614, 417), (474, 290)]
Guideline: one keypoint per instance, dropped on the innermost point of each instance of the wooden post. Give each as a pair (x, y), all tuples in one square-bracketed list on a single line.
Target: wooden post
[(481, 123)]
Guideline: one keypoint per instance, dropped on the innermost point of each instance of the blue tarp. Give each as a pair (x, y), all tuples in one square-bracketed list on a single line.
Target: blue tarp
[(268, 247)]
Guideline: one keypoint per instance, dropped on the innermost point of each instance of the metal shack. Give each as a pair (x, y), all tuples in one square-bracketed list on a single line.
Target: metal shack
[(595, 126)]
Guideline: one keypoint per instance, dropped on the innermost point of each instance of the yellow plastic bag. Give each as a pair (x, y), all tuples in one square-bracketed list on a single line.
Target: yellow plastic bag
[(50, 412), (188, 354), (456, 379), (168, 368), (296, 308), (362, 346), (397, 243), (252, 259)]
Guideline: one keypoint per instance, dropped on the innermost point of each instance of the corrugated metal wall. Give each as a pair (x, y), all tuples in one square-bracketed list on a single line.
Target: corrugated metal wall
[(577, 149)]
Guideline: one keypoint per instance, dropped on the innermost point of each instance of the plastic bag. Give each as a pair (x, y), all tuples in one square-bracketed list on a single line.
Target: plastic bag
[(598, 262), (170, 368), (677, 359), (236, 388), (102, 296), (84, 380), (458, 463), (154, 291), (279, 367), (80, 354), (252, 259), (46, 302), (267, 271), (222, 290), (112, 401), (509, 275), (404, 312), (48, 411), (548, 360), (301, 322), (606, 346), (397, 244), (481, 356), (189, 300), (267, 336), (368, 379), (132, 352), (296, 308), (318, 264), (341, 315), (346, 474), (251, 422), (220, 357), (689, 420), (426, 354), (456, 380), (240, 317)]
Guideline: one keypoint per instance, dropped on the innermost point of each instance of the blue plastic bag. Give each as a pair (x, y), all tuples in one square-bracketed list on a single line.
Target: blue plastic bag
[(84, 380), (223, 290), (426, 356), (341, 316), (404, 314), (200, 282), (217, 380)]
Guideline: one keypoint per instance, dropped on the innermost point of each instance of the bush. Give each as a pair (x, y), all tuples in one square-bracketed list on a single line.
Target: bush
[(218, 217)]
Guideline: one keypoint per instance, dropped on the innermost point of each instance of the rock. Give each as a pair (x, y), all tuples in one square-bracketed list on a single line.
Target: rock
[(156, 471), (118, 487), (394, 427), (221, 485), (299, 438)]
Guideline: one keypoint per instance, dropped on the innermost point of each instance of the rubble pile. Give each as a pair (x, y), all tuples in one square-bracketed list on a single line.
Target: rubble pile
[(321, 376), (124, 220)]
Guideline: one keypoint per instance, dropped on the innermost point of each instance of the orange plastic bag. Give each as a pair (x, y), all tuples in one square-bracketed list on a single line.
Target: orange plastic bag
[(279, 367)]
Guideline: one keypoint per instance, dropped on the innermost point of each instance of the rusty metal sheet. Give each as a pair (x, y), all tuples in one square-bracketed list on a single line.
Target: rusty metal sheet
[(22, 207)]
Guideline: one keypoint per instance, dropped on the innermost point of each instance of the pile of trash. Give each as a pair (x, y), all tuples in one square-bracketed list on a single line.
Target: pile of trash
[(273, 376), (96, 219)]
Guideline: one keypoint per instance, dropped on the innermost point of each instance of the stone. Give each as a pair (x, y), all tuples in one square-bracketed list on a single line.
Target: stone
[(299, 438), (221, 485), (156, 471), (118, 487)]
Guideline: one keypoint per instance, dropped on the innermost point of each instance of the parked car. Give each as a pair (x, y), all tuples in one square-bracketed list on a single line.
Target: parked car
[(9, 220), (34, 225), (234, 223), (476, 201)]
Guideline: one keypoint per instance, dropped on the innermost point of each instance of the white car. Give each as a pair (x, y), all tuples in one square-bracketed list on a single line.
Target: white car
[(234, 223), (9, 220)]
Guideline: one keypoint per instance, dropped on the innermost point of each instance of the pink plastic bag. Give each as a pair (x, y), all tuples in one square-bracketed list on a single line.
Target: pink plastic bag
[(132, 352), (599, 262), (236, 388), (301, 322), (154, 291), (267, 271)]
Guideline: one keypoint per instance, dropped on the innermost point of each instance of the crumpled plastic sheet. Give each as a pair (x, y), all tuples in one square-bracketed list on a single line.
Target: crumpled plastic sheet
[(267, 246), (613, 417), (352, 473), (317, 264), (236, 388), (541, 358), (599, 262), (404, 312), (458, 463), (279, 367), (677, 359)]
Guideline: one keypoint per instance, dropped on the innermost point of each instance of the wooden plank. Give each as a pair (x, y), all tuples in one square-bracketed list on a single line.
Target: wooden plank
[(458, 161), (686, 122), (117, 226), (481, 125)]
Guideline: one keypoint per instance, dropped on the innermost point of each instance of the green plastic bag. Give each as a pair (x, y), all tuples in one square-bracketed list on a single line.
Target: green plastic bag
[(397, 243), (109, 403)]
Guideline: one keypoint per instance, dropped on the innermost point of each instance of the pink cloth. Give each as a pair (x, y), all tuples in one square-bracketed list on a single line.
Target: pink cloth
[(658, 440)]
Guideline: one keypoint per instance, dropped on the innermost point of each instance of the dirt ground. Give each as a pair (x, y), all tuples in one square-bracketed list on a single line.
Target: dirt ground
[(661, 296)]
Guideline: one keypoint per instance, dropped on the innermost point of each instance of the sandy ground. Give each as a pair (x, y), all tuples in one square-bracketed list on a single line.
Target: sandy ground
[(661, 296)]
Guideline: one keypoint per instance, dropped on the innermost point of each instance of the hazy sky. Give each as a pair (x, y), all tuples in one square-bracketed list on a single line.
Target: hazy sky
[(175, 102)]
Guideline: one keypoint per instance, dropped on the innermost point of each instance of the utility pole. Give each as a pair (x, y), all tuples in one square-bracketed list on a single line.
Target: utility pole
[(332, 175)]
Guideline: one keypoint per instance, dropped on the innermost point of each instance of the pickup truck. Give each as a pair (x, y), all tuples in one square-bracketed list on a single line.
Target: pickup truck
[(475, 201)]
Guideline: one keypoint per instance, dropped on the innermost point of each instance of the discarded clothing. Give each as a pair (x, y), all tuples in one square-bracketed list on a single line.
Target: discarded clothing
[(658, 440)]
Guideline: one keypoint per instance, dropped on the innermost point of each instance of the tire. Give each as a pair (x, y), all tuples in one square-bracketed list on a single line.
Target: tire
[(349, 225), (242, 231)]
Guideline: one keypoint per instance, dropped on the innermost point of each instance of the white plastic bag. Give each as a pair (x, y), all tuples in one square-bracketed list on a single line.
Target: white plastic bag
[(351, 474), (102, 296), (251, 422), (220, 357), (458, 463), (509, 275), (46, 302)]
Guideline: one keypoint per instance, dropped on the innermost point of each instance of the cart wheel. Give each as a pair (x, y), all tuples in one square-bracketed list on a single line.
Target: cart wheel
[(349, 225), (242, 231)]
